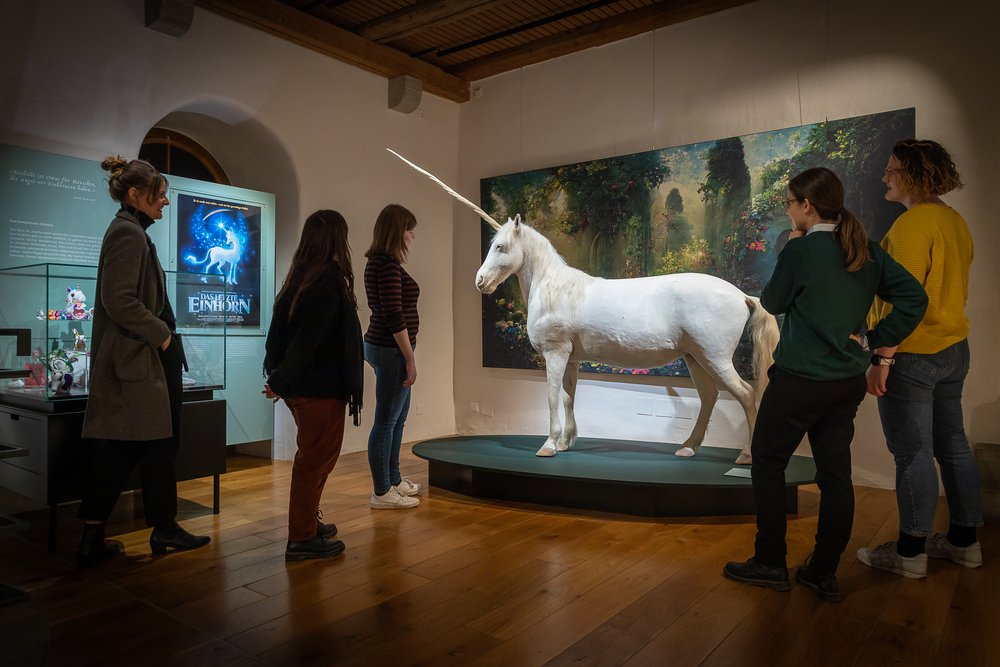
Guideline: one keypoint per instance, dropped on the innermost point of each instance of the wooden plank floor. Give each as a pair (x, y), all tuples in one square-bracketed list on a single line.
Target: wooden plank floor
[(458, 581)]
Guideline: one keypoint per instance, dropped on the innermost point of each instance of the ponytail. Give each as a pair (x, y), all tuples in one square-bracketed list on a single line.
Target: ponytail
[(851, 235), (826, 193)]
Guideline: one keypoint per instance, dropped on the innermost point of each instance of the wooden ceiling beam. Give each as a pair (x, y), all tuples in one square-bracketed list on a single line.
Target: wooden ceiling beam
[(297, 26), (421, 16), (610, 30)]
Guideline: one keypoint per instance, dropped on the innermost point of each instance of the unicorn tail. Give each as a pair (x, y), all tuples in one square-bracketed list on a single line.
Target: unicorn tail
[(764, 333)]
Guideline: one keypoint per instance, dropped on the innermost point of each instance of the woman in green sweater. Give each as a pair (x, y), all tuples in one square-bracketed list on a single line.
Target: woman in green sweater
[(920, 397), (823, 283)]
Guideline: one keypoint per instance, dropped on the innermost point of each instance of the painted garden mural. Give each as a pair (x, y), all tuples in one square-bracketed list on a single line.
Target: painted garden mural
[(713, 207)]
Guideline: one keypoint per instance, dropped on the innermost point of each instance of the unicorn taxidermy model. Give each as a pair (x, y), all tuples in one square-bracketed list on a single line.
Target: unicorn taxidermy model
[(631, 323)]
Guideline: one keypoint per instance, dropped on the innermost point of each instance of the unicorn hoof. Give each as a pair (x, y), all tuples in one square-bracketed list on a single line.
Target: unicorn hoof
[(563, 446), (686, 452), (744, 459), (546, 450)]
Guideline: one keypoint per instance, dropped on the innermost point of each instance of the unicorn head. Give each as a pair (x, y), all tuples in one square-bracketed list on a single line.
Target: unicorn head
[(505, 257)]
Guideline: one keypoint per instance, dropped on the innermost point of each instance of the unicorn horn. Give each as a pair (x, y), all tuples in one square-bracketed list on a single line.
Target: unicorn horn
[(483, 214)]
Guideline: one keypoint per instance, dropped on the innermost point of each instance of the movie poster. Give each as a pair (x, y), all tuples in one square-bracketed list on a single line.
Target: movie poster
[(218, 238)]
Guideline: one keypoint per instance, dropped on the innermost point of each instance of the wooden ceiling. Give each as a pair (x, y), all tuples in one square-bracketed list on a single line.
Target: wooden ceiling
[(449, 43)]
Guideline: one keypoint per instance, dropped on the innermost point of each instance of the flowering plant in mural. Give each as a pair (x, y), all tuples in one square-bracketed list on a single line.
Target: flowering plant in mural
[(739, 247)]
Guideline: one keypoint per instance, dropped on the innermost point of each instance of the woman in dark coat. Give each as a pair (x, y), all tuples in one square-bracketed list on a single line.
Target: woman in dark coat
[(133, 411), (315, 362)]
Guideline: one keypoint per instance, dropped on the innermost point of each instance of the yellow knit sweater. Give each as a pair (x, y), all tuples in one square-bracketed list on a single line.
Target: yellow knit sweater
[(933, 243)]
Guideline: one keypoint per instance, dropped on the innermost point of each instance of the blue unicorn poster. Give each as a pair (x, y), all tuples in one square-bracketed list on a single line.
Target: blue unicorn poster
[(218, 238)]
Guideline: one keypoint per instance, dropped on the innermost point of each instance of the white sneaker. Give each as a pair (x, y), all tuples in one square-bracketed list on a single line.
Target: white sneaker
[(407, 487), (393, 500), (938, 546), (884, 557)]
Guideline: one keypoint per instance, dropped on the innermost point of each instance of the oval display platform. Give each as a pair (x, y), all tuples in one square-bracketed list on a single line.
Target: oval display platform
[(625, 476)]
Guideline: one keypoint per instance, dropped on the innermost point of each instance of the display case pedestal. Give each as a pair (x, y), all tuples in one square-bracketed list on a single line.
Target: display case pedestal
[(52, 470)]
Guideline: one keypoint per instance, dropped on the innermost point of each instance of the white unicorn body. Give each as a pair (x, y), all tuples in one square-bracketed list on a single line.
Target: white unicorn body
[(218, 256), (632, 323)]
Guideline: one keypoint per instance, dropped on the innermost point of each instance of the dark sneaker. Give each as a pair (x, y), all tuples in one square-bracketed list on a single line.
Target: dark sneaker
[(324, 530), (317, 547), (758, 574), (823, 583)]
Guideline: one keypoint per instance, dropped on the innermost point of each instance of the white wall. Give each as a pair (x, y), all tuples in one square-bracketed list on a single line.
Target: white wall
[(768, 65), (87, 79)]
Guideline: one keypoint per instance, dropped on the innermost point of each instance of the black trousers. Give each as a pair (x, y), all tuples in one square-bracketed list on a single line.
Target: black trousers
[(113, 461), (791, 407)]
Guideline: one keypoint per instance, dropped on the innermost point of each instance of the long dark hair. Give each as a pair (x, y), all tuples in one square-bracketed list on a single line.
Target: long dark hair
[(826, 193), (390, 227), (926, 168), (323, 243), (124, 174)]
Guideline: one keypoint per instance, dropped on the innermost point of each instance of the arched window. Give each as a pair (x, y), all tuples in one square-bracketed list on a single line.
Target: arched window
[(175, 154)]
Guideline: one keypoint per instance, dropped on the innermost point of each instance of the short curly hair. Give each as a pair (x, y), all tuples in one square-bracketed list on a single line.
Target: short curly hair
[(925, 168)]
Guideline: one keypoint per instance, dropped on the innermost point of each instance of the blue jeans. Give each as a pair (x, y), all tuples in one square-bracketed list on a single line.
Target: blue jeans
[(921, 416), (392, 403)]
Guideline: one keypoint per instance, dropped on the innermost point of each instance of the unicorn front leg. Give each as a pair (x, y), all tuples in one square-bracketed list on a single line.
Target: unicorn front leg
[(555, 369), (568, 436)]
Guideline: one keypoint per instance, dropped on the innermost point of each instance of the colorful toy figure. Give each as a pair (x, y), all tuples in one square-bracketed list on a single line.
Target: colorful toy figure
[(75, 309), (79, 341), (60, 366)]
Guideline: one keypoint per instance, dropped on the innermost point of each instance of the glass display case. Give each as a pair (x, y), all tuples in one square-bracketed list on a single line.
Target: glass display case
[(55, 301)]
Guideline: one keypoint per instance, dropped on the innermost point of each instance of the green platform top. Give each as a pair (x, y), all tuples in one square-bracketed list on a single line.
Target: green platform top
[(601, 459)]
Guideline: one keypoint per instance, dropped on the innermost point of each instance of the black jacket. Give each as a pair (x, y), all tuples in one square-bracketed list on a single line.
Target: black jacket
[(318, 351)]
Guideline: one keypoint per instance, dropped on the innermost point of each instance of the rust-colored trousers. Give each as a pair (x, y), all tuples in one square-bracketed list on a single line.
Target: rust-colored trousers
[(320, 423)]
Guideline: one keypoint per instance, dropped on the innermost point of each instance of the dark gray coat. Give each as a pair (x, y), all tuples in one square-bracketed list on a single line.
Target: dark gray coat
[(128, 391)]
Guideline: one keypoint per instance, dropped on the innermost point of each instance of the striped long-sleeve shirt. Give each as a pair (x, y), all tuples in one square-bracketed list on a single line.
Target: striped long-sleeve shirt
[(392, 298)]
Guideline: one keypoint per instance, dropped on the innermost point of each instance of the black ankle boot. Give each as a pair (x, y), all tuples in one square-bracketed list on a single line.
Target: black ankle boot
[(316, 547), (94, 548), (325, 530), (175, 537)]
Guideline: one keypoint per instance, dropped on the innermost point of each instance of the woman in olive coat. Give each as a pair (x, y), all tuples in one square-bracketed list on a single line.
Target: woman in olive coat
[(133, 411)]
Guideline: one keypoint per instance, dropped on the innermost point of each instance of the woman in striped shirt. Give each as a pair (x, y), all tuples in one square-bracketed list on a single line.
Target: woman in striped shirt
[(389, 344)]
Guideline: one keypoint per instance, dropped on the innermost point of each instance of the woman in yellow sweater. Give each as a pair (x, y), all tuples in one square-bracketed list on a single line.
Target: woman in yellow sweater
[(919, 389)]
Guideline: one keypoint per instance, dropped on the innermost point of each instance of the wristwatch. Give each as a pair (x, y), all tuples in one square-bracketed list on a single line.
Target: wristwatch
[(879, 360)]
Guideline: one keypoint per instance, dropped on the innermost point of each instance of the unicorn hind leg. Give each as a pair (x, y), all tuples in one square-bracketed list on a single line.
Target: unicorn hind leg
[(730, 380), (708, 394)]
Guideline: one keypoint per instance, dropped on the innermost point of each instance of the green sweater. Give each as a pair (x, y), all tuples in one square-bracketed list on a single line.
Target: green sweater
[(823, 304)]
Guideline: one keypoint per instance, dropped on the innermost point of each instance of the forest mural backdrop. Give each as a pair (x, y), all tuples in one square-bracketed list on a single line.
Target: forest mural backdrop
[(713, 207)]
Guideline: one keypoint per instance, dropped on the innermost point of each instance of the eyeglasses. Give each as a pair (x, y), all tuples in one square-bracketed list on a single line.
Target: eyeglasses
[(890, 172), (789, 202)]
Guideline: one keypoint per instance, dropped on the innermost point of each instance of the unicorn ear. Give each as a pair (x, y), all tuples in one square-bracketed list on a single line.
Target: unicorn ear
[(517, 220)]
